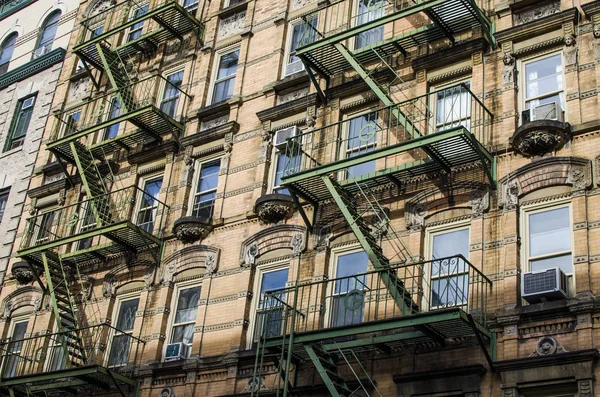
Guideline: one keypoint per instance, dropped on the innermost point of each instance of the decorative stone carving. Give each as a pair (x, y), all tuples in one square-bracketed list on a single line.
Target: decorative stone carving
[(255, 384), (540, 137), (508, 70), (596, 48), (479, 201), (579, 178), (570, 50), (22, 272), (415, 216), (250, 254), (109, 287), (79, 88), (322, 237), (149, 278), (311, 122), (62, 197), (274, 208), (297, 4), (187, 173), (231, 25), (167, 392), (585, 388), (297, 243), (292, 96), (169, 273), (380, 223), (263, 149), (547, 346), (86, 287), (536, 13), (7, 309), (214, 122), (510, 195), (596, 31), (189, 229), (211, 265), (509, 393)]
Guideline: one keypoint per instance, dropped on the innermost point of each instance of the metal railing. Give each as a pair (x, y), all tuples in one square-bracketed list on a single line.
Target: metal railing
[(451, 282), (102, 345), (442, 110), (145, 92), (130, 204)]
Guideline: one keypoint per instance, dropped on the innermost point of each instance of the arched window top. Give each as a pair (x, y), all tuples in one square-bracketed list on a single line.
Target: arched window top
[(47, 34), (6, 51)]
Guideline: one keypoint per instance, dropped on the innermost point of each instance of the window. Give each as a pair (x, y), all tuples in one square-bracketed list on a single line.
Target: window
[(269, 313), (184, 320), (449, 277), (87, 222), (135, 32), (71, 121), (347, 303), (369, 10), (225, 76), (47, 34), (14, 349), (171, 94), (149, 204), (303, 33), (285, 164), (206, 191), (544, 82), (453, 107), (121, 341), (361, 138), (549, 239), (231, 3), (56, 352), (46, 226), (3, 201), (6, 52), (20, 123), (115, 111), (191, 6)]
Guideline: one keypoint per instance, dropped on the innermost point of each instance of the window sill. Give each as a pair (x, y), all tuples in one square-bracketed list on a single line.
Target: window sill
[(230, 10), (11, 151)]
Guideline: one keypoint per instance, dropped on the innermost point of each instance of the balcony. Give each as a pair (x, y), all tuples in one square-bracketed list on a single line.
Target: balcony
[(446, 299), (169, 20), (134, 114), (41, 362), (441, 130), (384, 28), (124, 220)]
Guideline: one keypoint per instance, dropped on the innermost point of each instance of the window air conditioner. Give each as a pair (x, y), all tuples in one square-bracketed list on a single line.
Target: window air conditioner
[(281, 137), (547, 111), (294, 67), (41, 51), (542, 285), (176, 351)]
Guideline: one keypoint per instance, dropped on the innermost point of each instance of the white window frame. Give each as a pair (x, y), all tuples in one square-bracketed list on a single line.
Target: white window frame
[(288, 46), (197, 168), (42, 213), (433, 104), (50, 355), (345, 132), (115, 317), (521, 65), (527, 210), (273, 167), (103, 133), (140, 194), (215, 71), (171, 322), (430, 233), (353, 42), (163, 89), (82, 227), (260, 270), (11, 329), (131, 29), (195, 5)]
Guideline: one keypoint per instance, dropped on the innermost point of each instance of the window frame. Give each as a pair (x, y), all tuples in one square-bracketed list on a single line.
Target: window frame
[(164, 90), (276, 152), (43, 212), (141, 186), (45, 25), (522, 76), (171, 321), (113, 331), (133, 29), (197, 172), (104, 133), (4, 46), (195, 3), (4, 196), (16, 119), (288, 45), (345, 134), (526, 211), (23, 318), (430, 233), (354, 41), (259, 271), (433, 106), (215, 72)]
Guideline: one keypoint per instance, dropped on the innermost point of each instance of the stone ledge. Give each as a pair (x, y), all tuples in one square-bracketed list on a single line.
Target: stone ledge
[(32, 67), (211, 134), (288, 108)]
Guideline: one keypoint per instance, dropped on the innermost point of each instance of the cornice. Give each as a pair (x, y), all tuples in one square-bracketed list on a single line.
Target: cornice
[(151, 153), (32, 67), (211, 134), (537, 27), (288, 108), (449, 55)]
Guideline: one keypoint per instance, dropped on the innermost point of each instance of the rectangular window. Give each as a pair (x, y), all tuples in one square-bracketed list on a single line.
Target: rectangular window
[(20, 123), (347, 307), (3, 201), (449, 276), (369, 10), (544, 82), (149, 204), (71, 122), (225, 76), (191, 6), (171, 94), (453, 107), (303, 33), (115, 111), (135, 32), (121, 342), (14, 349), (361, 138), (46, 227), (206, 191), (56, 353), (549, 240), (185, 316), (87, 222), (270, 311), (285, 164)]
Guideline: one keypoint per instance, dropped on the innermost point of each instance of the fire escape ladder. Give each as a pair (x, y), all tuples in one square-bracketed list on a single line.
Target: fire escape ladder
[(91, 178), (328, 370), (116, 71)]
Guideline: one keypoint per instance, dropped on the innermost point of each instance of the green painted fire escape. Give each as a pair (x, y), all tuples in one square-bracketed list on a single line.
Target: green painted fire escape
[(408, 139), (56, 243)]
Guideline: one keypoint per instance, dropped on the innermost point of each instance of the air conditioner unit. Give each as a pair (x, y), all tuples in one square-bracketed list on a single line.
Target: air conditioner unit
[(543, 285), (281, 137), (547, 111), (176, 351), (294, 67), (41, 51)]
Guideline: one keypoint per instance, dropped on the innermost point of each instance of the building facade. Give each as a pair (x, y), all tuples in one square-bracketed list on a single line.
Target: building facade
[(34, 39), (313, 198)]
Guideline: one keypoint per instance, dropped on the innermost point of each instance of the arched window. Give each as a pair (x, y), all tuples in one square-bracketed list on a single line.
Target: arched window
[(47, 34), (6, 52)]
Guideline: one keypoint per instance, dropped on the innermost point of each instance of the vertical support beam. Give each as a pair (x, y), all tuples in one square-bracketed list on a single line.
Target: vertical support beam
[(322, 371)]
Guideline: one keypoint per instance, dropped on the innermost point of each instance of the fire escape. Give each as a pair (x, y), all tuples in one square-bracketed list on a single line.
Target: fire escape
[(344, 169), (111, 223)]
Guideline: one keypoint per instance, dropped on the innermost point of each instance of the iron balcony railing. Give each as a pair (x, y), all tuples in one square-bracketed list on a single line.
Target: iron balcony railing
[(454, 108), (100, 345), (131, 206), (124, 15), (130, 100), (451, 282)]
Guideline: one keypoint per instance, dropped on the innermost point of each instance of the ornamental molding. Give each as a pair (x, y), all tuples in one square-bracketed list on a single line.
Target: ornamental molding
[(32, 67), (276, 237), (537, 27), (547, 346), (231, 25), (24, 296), (193, 257), (532, 14)]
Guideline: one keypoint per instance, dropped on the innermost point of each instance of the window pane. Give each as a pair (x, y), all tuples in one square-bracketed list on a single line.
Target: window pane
[(7, 52), (223, 90), (3, 200), (152, 191), (183, 333), (187, 305), (549, 231), (127, 312), (349, 265), (49, 31), (544, 76), (119, 352), (303, 33), (369, 10), (228, 64), (449, 291), (453, 108), (209, 176), (564, 262), (449, 244), (115, 111), (171, 94)]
